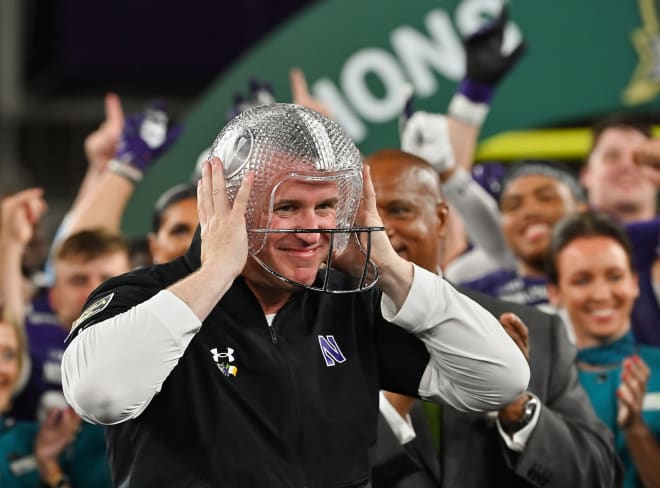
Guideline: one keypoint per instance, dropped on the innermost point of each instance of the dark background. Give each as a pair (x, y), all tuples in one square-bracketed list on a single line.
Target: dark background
[(68, 53), (138, 47)]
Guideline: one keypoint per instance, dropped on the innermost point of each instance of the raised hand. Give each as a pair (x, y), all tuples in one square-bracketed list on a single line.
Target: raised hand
[(101, 145), (144, 137), (485, 61), (223, 227), (647, 157), (396, 273), (301, 95), (19, 213), (426, 135)]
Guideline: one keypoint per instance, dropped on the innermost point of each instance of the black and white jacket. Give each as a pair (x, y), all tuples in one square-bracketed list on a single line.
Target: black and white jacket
[(235, 402)]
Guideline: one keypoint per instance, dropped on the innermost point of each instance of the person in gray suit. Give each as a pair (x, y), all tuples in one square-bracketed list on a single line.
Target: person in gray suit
[(549, 437)]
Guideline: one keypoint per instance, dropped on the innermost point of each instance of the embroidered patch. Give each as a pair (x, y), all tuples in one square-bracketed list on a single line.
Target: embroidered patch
[(96, 307), (223, 360), (330, 350)]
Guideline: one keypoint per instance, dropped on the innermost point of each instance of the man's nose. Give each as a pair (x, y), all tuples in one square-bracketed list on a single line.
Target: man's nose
[(532, 207), (309, 220)]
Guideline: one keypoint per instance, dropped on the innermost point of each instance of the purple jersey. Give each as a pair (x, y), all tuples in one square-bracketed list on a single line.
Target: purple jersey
[(644, 237), (507, 285), (45, 338)]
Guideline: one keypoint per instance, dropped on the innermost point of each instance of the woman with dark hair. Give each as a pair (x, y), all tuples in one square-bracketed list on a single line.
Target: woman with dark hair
[(593, 282)]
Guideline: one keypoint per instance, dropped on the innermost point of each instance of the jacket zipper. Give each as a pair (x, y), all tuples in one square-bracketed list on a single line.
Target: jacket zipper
[(273, 336), (295, 395)]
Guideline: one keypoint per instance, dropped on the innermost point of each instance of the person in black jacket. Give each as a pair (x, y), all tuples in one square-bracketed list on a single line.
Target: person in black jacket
[(251, 361), (549, 436)]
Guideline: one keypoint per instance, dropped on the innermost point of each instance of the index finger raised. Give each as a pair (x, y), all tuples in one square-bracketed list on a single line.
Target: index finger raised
[(114, 113)]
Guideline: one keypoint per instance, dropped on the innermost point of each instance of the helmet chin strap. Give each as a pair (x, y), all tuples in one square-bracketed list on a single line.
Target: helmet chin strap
[(368, 277)]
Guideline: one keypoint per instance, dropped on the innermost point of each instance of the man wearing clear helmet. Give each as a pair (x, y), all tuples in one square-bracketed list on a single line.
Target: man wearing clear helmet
[(256, 358)]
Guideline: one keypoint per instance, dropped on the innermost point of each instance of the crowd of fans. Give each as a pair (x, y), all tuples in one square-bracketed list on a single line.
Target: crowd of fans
[(584, 249)]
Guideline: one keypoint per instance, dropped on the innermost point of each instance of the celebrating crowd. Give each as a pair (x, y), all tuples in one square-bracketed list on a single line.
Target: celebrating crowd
[(303, 315)]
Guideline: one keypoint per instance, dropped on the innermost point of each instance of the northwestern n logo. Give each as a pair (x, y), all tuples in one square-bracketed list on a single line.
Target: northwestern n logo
[(330, 350)]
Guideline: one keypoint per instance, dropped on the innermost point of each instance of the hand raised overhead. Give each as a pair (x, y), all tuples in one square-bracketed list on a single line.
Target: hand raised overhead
[(223, 228)]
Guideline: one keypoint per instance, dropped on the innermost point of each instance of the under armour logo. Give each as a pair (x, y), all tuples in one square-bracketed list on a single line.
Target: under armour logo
[(222, 360), (330, 350), (217, 356)]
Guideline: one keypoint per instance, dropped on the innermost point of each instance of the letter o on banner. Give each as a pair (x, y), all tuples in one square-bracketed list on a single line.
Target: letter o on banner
[(353, 82)]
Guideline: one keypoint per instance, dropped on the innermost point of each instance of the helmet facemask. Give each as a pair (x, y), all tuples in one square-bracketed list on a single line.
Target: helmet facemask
[(288, 143)]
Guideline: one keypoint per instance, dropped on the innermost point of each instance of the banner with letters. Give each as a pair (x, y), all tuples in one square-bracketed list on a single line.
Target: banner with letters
[(584, 59)]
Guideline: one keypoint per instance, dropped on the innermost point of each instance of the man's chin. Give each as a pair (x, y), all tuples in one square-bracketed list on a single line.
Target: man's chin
[(301, 276), (276, 277)]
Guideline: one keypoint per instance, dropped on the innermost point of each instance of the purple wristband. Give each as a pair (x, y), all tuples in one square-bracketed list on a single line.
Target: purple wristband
[(476, 92)]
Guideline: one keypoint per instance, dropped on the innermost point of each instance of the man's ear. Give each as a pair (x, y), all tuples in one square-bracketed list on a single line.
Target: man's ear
[(554, 295), (442, 214)]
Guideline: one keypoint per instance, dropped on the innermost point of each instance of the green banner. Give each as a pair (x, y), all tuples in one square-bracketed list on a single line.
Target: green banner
[(584, 59)]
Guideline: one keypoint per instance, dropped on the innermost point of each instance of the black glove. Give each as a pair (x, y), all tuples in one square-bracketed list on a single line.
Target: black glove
[(485, 62)]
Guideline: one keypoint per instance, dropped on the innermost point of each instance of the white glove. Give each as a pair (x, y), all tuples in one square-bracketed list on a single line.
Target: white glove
[(426, 135)]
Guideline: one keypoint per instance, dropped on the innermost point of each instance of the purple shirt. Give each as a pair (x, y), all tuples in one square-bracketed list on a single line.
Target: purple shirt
[(45, 339), (507, 285), (645, 237)]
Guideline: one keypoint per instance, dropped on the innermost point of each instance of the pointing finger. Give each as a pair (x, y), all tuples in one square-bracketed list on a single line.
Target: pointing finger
[(114, 113), (299, 89)]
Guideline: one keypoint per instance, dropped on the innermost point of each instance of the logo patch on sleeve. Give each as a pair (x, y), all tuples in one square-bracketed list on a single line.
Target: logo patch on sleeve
[(96, 307)]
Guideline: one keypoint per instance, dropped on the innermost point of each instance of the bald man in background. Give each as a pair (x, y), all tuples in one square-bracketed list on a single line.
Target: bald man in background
[(550, 436)]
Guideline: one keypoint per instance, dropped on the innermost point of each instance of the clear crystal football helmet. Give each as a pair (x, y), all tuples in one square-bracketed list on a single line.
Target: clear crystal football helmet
[(282, 142)]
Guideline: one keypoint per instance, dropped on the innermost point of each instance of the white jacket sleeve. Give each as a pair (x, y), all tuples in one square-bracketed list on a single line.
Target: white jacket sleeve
[(471, 265), (480, 215), (134, 351), (474, 365)]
